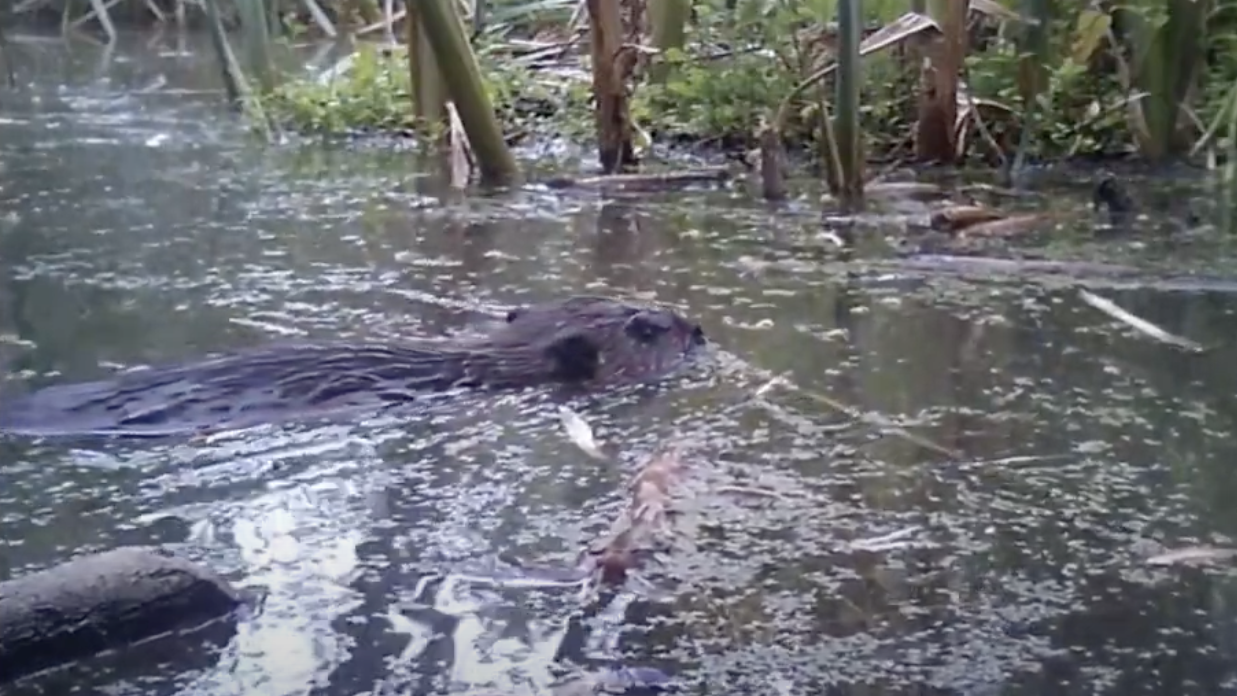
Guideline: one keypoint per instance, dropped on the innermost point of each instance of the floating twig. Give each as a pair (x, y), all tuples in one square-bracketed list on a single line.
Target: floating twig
[(885, 542), (1192, 555), (750, 490), (874, 420), (1138, 323)]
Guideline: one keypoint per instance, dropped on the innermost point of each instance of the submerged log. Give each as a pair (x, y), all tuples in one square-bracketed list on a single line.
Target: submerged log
[(102, 602)]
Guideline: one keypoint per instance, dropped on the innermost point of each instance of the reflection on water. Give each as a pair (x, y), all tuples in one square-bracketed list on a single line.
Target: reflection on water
[(141, 226)]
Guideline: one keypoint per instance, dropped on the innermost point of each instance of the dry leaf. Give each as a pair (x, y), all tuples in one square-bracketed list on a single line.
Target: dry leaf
[(461, 168), (580, 433)]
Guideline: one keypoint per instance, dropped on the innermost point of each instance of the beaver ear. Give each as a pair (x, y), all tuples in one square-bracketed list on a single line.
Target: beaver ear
[(576, 358)]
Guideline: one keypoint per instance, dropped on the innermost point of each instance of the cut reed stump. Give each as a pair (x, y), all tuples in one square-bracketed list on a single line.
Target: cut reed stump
[(611, 66)]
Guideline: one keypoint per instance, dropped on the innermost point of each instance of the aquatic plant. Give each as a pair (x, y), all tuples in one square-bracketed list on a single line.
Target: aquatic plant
[(941, 81)]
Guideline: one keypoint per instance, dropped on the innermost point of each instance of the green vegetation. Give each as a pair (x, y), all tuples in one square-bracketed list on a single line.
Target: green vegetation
[(1152, 76)]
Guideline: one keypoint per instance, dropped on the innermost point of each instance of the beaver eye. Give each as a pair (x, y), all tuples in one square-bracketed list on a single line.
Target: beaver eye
[(646, 328), (514, 314)]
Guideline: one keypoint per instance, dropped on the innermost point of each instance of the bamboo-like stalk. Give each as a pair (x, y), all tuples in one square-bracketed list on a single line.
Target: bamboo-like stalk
[(428, 92), (6, 53), (100, 9), (256, 35), (462, 76), (849, 148), (1228, 181), (669, 22), (1169, 53), (320, 18), (234, 85)]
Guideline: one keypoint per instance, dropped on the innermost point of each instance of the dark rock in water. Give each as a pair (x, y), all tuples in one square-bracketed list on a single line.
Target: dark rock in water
[(589, 342), (101, 602)]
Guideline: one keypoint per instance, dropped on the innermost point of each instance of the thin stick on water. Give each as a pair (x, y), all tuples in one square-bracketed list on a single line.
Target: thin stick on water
[(1138, 323), (874, 420)]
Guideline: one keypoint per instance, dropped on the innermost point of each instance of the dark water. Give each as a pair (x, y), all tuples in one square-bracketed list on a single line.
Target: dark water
[(141, 225)]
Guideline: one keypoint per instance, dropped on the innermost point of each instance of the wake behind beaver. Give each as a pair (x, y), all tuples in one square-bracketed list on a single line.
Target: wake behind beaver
[(589, 342)]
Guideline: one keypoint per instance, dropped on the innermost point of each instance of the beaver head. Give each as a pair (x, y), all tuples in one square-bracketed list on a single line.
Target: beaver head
[(597, 340)]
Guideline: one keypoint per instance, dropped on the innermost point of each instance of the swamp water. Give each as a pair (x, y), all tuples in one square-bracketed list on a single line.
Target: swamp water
[(140, 225)]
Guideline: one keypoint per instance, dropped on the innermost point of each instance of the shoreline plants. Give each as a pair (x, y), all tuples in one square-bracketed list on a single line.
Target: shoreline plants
[(848, 82)]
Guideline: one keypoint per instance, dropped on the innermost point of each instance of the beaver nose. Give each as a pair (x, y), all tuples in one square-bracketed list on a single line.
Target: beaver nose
[(698, 337)]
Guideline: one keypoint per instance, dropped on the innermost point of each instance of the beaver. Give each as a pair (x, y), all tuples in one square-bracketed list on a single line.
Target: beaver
[(581, 341)]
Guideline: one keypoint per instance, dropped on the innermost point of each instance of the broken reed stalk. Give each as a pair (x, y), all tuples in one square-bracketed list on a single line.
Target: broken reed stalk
[(772, 165), (234, 84), (462, 76), (613, 119), (256, 36)]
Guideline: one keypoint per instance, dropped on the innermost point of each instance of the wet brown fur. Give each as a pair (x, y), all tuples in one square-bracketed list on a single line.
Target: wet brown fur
[(586, 341)]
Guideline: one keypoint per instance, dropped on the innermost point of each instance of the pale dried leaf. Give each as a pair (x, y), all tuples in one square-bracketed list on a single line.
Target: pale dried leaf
[(996, 9), (461, 168), (897, 31), (579, 432)]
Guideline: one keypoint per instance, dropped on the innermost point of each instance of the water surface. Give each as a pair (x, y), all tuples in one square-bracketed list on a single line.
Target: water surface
[(141, 224)]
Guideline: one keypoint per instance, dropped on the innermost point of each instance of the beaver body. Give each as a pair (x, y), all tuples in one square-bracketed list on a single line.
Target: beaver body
[(591, 342)]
